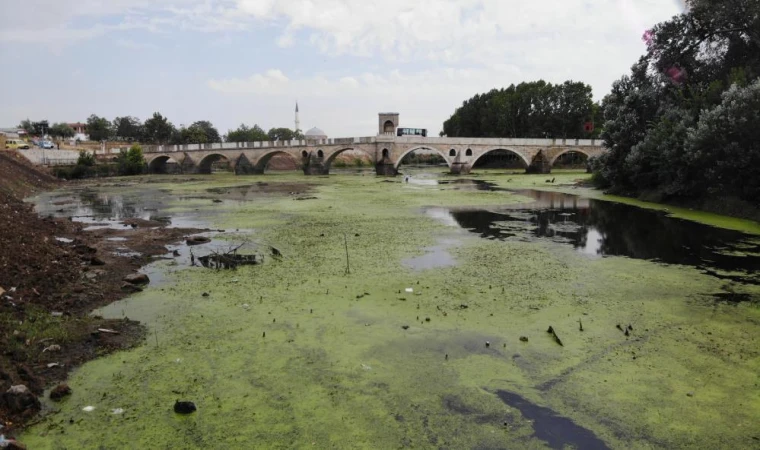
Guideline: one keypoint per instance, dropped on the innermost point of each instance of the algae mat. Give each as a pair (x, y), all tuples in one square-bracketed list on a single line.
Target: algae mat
[(297, 353)]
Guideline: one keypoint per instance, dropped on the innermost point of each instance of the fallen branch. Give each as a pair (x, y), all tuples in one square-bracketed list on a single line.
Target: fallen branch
[(554, 333)]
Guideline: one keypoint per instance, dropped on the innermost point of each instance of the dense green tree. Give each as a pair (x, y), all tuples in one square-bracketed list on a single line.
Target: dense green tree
[(86, 159), (535, 109), (157, 129), (282, 134), (668, 125), (98, 128), (131, 162), (128, 128), (205, 128), (245, 134), (61, 130)]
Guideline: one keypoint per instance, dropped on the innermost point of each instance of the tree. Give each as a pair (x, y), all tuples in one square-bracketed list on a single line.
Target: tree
[(26, 125), (86, 159), (209, 131), (131, 162), (535, 109), (682, 124), (61, 130), (127, 128), (98, 128), (157, 129), (246, 134), (282, 134)]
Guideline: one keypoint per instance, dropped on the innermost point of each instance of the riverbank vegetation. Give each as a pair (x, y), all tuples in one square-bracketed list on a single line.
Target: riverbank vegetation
[(685, 124), (528, 110)]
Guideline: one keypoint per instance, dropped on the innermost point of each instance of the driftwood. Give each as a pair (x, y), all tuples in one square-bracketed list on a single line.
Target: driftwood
[(229, 259), (556, 338)]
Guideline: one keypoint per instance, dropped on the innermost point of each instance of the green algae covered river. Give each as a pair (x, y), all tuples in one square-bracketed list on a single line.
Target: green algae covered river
[(434, 335)]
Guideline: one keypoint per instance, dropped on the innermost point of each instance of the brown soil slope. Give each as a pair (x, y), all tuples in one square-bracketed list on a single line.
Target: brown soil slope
[(48, 288)]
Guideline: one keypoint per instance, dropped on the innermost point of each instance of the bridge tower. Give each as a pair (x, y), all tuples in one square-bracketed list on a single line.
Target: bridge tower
[(387, 124)]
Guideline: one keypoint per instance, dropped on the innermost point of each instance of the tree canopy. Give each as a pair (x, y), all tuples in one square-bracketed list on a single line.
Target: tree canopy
[(245, 134), (128, 128), (684, 122), (528, 110), (99, 128), (157, 129), (283, 134), (61, 130)]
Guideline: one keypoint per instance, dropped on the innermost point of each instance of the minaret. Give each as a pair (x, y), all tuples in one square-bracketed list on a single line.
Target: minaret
[(298, 122)]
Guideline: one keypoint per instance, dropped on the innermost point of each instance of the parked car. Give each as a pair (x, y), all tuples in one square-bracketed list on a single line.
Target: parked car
[(46, 144), (12, 144)]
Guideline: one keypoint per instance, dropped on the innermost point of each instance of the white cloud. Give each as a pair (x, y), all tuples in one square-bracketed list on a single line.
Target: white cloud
[(420, 57)]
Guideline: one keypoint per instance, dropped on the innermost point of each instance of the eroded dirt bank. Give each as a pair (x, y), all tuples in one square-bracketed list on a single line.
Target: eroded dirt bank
[(52, 274)]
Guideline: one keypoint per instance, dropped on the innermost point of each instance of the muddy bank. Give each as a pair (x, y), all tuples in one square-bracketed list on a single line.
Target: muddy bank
[(52, 275)]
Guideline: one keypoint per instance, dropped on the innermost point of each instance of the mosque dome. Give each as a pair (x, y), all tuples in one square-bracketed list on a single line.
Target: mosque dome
[(315, 133)]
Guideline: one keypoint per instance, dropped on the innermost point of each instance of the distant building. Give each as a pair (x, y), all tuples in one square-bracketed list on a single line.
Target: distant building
[(80, 131), (12, 133), (315, 134)]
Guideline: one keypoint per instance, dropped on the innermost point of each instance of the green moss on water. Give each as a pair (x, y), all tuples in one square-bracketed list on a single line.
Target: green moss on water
[(337, 370)]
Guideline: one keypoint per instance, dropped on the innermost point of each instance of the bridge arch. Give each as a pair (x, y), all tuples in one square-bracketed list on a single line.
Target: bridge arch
[(159, 164), (331, 157), (452, 153), (204, 166), (569, 150), (519, 155), (444, 155), (263, 161)]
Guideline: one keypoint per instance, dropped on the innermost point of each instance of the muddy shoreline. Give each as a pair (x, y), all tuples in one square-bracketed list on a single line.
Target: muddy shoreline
[(53, 274)]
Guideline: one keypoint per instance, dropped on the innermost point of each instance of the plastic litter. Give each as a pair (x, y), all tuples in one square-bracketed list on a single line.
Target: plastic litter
[(117, 411), (409, 290), (88, 409)]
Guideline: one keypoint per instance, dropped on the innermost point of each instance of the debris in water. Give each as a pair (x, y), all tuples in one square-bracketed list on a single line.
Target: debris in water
[(60, 391), (524, 338), (117, 411), (197, 240), (205, 294), (619, 327), (554, 333), (488, 344), (108, 331), (580, 323), (52, 348), (406, 327), (88, 409), (409, 290), (184, 407)]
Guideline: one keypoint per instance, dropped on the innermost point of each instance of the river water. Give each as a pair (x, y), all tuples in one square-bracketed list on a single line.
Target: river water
[(414, 314)]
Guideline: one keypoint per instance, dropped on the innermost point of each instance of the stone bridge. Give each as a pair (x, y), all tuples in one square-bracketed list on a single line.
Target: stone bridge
[(385, 151)]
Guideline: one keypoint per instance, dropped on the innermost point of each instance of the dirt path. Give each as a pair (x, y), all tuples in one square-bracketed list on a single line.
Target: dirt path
[(52, 275)]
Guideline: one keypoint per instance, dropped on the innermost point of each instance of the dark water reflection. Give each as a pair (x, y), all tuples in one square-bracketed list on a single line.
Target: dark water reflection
[(606, 228)]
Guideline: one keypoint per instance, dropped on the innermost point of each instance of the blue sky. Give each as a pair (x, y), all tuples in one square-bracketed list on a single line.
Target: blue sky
[(248, 61)]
